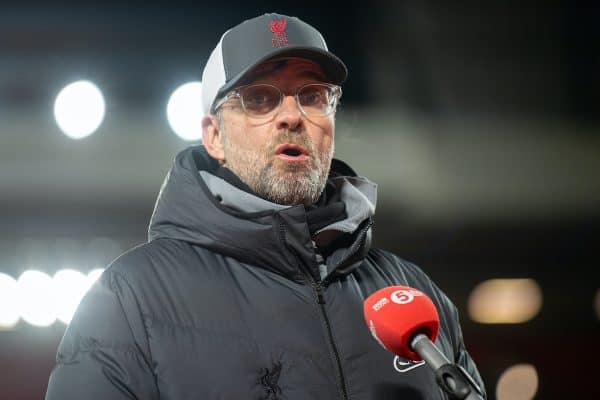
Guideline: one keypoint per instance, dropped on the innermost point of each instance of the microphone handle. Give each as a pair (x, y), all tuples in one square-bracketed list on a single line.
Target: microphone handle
[(451, 377)]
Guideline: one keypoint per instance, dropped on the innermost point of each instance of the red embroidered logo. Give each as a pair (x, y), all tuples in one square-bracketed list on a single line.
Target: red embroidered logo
[(279, 34)]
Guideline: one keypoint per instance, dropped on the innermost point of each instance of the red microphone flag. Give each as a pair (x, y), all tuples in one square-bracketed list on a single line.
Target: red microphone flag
[(395, 314)]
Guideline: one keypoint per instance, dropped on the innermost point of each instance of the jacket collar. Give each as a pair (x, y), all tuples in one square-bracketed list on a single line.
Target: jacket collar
[(200, 208)]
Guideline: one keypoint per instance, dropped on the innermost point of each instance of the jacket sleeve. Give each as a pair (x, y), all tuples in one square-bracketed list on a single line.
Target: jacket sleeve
[(104, 352), (449, 318), (463, 358)]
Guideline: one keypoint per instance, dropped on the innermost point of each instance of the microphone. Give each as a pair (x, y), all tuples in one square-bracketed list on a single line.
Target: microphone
[(405, 322)]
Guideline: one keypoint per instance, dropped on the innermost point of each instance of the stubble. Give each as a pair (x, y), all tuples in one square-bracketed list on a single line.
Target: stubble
[(281, 182)]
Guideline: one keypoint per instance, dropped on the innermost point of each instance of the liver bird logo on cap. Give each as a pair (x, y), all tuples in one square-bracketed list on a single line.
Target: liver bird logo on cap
[(279, 34)]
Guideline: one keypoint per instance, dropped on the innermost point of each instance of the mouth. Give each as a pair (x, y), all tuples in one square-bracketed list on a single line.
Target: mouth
[(291, 153)]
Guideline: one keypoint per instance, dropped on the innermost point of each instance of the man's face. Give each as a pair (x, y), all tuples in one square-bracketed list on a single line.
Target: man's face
[(255, 148)]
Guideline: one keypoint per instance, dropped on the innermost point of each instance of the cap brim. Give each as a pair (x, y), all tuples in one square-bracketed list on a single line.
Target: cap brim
[(334, 68)]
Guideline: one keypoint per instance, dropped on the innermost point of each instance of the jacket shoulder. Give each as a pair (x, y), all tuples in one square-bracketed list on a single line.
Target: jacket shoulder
[(146, 256), (394, 270), (397, 269)]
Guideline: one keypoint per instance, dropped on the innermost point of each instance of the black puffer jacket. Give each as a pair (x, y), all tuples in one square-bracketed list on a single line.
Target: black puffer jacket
[(229, 300)]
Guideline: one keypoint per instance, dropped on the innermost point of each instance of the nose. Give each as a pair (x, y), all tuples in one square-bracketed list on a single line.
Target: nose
[(289, 115)]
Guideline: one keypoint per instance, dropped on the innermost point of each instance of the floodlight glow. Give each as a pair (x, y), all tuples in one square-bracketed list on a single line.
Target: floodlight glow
[(93, 276), (9, 311), (69, 287), (519, 382), (79, 109), (505, 301), (184, 111), (36, 298)]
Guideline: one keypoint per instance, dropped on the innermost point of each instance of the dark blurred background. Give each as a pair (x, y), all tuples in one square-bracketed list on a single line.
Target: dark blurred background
[(479, 121)]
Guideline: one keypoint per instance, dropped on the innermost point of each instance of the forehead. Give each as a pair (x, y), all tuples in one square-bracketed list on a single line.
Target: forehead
[(288, 69)]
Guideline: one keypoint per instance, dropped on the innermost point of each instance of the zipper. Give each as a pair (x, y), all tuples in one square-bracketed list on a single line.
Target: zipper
[(319, 290), (317, 287)]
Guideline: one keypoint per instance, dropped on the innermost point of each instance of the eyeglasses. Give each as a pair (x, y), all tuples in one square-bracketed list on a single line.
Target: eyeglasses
[(262, 99)]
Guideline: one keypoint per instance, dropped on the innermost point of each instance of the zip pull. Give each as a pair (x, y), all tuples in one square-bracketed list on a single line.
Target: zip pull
[(319, 289)]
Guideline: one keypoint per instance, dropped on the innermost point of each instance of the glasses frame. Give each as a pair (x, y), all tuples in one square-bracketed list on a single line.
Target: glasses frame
[(236, 93)]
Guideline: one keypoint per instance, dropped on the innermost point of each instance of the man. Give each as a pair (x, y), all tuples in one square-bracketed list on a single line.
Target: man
[(252, 282)]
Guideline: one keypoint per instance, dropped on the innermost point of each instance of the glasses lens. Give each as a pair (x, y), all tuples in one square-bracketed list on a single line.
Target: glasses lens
[(317, 99), (260, 99)]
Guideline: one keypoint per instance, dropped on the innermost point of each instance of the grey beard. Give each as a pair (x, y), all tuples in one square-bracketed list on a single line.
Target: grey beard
[(294, 184)]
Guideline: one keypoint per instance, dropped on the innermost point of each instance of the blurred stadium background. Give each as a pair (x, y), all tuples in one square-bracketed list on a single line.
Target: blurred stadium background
[(480, 122)]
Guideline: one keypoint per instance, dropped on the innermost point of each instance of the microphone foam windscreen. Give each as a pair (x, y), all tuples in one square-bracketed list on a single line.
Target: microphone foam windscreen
[(395, 314)]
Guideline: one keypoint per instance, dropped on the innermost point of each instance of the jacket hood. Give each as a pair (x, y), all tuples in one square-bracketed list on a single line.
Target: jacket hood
[(204, 210)]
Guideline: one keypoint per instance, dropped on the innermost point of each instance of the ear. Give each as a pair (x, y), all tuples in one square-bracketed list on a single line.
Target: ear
[(211, 138)]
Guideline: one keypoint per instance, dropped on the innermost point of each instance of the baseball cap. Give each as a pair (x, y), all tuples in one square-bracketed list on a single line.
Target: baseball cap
[(260, 39)]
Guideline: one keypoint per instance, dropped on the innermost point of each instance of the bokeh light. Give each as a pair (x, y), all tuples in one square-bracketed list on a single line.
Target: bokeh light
[(69, 287), (184, 111), (39, 300), (519, 382), (505, 301), (9, 312), (79, 109), (93, 276), (35, 295)]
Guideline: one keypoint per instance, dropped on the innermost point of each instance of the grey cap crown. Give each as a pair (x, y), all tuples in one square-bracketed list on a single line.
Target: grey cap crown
[(253, 42)]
